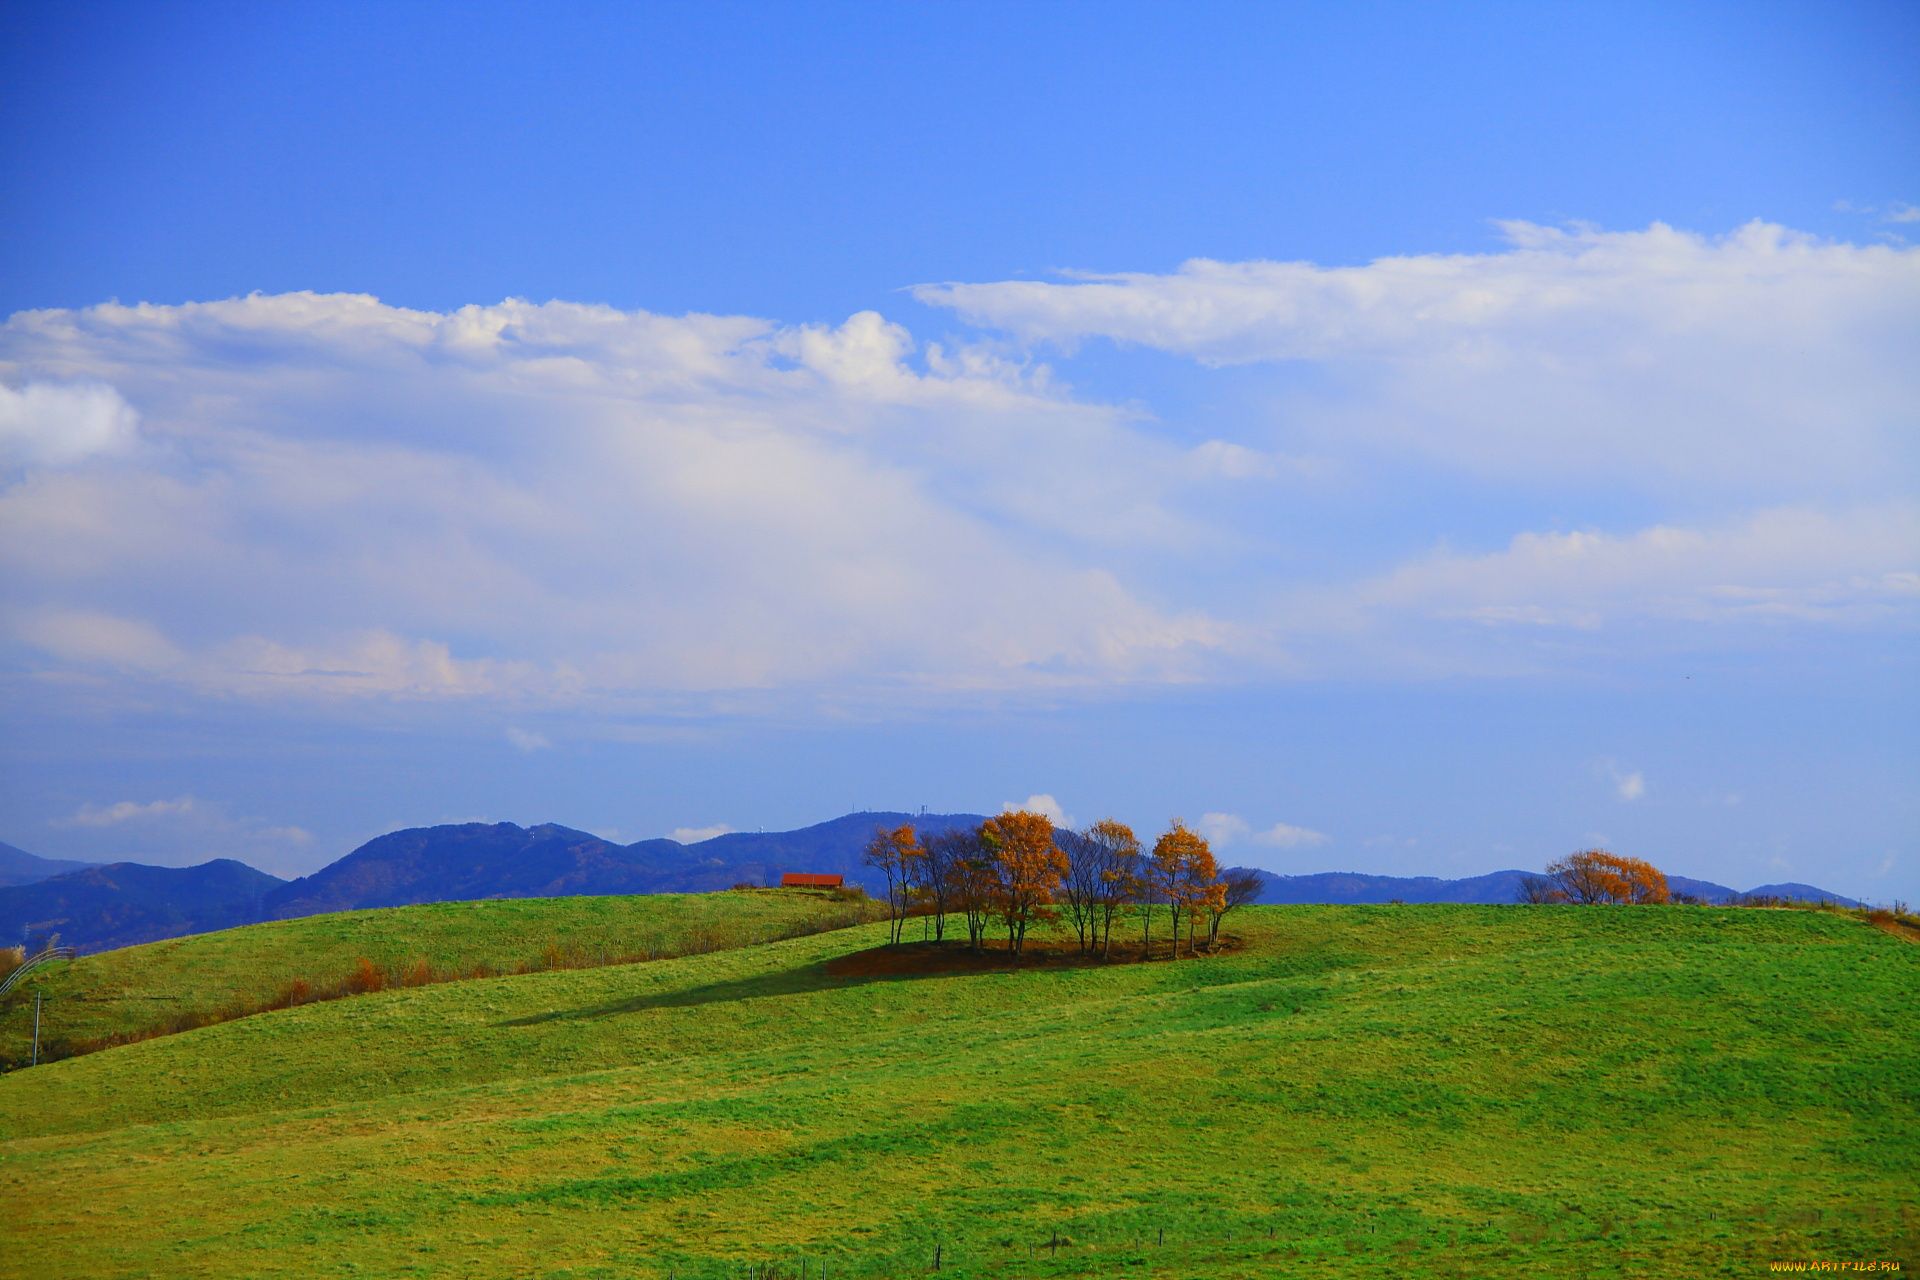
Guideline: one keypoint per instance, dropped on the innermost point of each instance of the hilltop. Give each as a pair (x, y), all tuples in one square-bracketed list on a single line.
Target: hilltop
[(17, 866), (139, 990), (1420, 1091)]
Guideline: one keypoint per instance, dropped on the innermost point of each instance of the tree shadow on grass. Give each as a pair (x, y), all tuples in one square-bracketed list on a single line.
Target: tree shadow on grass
[(905, 961), (791, 982)]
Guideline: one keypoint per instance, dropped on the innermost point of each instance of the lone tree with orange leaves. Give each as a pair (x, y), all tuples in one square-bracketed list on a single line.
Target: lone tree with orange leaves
[(1596, 876), (895, 855), (1028, 867)]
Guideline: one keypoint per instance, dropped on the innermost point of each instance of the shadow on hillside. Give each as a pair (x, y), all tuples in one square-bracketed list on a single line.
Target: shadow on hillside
[(906, 961), (813, 977)]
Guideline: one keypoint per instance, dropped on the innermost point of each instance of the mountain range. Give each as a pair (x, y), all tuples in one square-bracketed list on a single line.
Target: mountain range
[(1495, 886), (17, 866), (100, 907)]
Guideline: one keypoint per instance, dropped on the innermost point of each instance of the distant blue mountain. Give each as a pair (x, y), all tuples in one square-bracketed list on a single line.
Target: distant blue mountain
[(501, 860), (95, 908), (1495, 886), (17, 866), (122, 904)]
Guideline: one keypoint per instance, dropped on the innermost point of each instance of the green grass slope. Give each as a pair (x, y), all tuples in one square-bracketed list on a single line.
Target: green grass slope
[(1447, 1091), (115, 993)]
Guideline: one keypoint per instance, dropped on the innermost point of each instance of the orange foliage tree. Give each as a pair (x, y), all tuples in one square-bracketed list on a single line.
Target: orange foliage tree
[(1185, 876), (894, 854), (1027, 866), (1594, 876), (1238, 887)]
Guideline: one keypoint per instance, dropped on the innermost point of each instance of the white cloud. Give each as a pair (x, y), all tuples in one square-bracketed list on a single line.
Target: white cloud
[(525, 740), (93, 815), (542, 508), (1224, 829), (1783, 565), (1282, 836), (1657, 357), (1040, 804), (183, 831), (1899, 211), (1628, 785), (85, 636), (563, 502), (56, 424), (694, 835)]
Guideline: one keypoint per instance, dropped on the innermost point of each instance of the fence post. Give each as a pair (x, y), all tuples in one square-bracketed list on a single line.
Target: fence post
[(36, 1030)]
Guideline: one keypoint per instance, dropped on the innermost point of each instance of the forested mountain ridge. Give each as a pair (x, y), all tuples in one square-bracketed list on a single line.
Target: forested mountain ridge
[(17, 866), (122, 904), (450, 863)]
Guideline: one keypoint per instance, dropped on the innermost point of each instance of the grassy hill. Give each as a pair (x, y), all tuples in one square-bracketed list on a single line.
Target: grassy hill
[(1446, 1091), (115, 993)]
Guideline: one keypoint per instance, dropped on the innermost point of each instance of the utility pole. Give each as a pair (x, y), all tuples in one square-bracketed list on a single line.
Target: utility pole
[(36, 1030)]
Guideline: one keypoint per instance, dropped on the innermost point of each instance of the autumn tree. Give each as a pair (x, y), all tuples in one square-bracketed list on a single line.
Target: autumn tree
[(1027, 865), (1104, 874), (938, 882), (1184, 875), (1596, 876), (1238, 887), (895, 855), (974, 883)]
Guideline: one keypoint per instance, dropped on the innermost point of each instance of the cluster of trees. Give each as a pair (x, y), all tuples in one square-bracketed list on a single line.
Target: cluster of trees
[(1594, 875), (1018, 871)]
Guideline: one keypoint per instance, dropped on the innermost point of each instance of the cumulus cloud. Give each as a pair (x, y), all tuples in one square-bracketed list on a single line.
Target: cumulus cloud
[(694, 835), (529, 741), (1224, 829), (544, 507), (1658, 356), (55, 424), (562, 502), (1040, 804)]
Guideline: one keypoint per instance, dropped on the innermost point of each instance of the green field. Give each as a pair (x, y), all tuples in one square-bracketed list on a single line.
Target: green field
[(1454, 1091), (133, 989)]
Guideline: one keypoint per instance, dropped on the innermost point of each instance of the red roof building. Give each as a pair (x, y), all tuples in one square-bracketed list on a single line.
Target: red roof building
[(805, 880)]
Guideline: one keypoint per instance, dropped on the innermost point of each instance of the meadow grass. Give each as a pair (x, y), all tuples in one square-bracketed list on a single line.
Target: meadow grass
[(1446, 1091), (136, 989)]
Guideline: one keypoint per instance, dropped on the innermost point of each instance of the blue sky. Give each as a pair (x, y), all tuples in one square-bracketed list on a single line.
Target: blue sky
[(1414, 439)]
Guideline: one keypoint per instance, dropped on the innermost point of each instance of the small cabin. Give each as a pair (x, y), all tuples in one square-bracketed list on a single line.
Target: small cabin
[(807, 880)]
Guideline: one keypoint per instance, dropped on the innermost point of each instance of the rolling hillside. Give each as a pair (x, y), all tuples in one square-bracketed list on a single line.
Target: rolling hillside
[(135, 989), (1416, 1091)]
